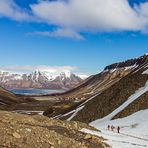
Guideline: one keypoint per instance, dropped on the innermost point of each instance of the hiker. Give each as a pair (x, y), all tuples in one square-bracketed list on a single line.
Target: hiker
[(108, 127), (118, 129), (112, 128)]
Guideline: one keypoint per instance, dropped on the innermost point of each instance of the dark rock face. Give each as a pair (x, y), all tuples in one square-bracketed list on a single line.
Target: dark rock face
[(137, 61), (8, 100), (140, 104)]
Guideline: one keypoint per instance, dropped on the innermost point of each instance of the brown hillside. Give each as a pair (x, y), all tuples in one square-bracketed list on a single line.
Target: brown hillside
[(17, 131)]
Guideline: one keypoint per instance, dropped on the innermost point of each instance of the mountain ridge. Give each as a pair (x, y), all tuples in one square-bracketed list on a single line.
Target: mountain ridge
[(39, 80), (126, 80)]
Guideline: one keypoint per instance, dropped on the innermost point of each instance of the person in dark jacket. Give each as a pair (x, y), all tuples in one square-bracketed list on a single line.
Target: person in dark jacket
[(118, 129), (108, 127)]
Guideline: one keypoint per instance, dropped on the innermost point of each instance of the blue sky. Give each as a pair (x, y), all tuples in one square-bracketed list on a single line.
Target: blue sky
[(32, 35)]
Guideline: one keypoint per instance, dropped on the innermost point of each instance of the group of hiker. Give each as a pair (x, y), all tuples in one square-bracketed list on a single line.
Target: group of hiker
[(112, 128)]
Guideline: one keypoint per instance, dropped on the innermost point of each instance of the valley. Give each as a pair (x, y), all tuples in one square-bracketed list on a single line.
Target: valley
[(116, 96)]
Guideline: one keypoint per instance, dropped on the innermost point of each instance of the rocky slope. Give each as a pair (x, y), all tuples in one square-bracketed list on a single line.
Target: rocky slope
[(133, 76), (17, 131), (38, 79), (7, 98), (98, 83)]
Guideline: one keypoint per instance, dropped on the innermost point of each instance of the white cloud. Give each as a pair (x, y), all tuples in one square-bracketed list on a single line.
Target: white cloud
[(73, 17), (93, 15), (51, 69), (66, 33), (9, 9)]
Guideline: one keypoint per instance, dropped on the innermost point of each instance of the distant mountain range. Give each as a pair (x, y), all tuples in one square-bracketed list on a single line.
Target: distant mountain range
[(39, 80)]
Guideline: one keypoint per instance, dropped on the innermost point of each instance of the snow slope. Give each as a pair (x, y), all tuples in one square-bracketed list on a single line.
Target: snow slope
[(134, 128), (134, 131), (121, 140), (132, 98)]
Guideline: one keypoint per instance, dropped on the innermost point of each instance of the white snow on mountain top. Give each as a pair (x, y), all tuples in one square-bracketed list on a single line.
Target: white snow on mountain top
[(67, 74), (83, 76), (50, 76)]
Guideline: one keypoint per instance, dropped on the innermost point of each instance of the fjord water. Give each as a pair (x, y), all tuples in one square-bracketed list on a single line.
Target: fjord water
[(35, 91)]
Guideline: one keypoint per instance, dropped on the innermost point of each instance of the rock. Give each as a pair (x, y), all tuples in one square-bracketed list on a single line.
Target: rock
[(87, 137), (28, 129), (16, 135), (59, 142), (76, 125)]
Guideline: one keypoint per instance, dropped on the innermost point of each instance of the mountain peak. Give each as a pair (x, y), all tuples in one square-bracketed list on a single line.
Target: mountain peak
[(66, 74)]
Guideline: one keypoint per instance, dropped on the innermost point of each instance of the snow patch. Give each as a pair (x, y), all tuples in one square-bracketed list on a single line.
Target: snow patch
[(131, 67), (145, 72), (75, 113)]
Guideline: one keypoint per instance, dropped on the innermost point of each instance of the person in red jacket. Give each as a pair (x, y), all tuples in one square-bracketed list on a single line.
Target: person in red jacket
[(112, 128)]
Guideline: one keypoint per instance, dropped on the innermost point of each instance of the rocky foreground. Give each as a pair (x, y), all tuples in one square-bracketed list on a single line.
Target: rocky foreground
[(23, 131)]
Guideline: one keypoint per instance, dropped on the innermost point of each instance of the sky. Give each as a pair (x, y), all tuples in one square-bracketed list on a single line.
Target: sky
[(82, 36)]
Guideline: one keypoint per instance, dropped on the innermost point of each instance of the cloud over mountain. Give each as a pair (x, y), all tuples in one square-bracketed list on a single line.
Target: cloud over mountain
[(51, 69)]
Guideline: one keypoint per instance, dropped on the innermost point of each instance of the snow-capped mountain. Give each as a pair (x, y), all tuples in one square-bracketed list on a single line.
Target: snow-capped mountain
[(38, 79)]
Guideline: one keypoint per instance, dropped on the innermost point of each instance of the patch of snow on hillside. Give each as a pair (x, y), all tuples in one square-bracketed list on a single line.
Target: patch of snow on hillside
[(145, 72), (133, 133), (75, 113), (121, 140), (28, 112), (132, 98), (80, 107), (124, 68), (83, 76), (131, 67)]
